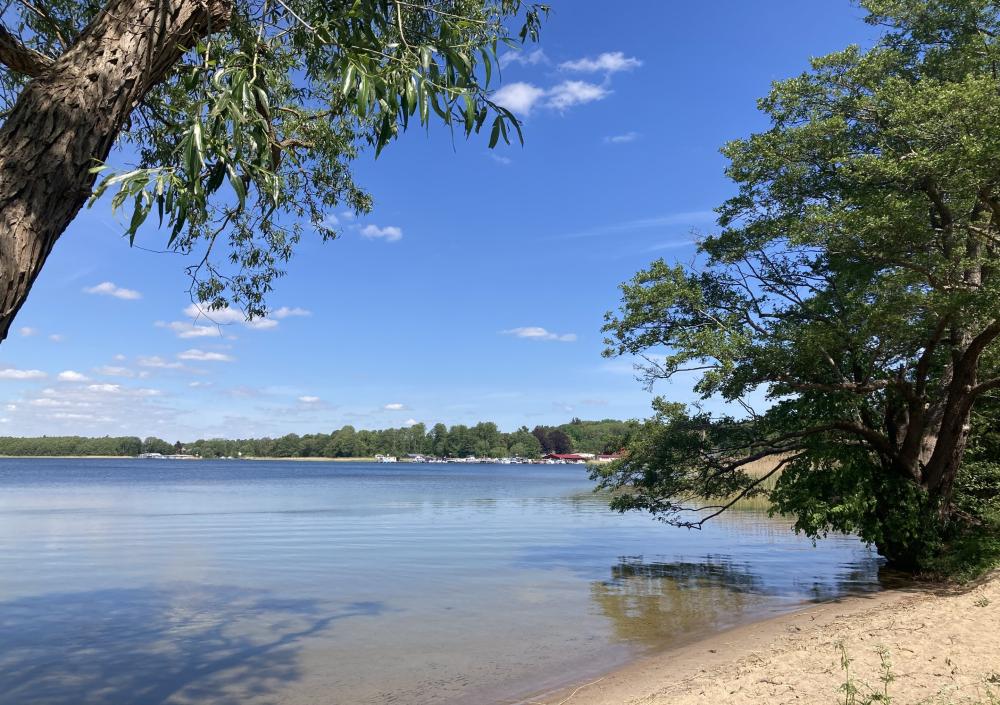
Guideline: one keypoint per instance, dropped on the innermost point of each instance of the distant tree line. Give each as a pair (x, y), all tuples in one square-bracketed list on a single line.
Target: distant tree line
[(484, 439)]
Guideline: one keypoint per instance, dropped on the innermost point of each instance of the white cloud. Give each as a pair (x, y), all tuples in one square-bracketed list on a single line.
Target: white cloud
[(104, 388), (410, 422), (199, 384), (288, 312), (539, 333), (57, 337), (623, 138), (500, 159), (71, 376), (389, 233), (519, 97), (309, 399), (204, 356), (27, 332), (225, 316), (395, 406), (112, 289), (190, 330), (570, 93), (531, 58), (206, 322), (11, 373), (114, 371), (608, 62), (157, 362)]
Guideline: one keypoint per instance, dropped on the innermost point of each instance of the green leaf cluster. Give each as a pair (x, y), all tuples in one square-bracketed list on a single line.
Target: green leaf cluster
[(247, 144), (853, 282)]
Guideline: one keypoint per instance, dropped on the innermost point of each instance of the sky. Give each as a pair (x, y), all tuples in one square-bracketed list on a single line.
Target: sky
[(476, 288)]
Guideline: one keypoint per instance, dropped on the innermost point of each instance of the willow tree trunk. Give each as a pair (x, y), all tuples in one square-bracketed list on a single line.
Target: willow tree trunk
[(67, 118)]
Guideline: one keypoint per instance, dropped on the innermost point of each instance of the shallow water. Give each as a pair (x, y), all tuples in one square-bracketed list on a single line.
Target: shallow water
[(241, 582)]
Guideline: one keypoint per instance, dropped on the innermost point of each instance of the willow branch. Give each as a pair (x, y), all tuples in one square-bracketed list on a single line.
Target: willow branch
[(19, 58)]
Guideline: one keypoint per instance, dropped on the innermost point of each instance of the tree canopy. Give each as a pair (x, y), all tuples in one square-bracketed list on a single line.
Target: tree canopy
[(242, 118), (853, 281)]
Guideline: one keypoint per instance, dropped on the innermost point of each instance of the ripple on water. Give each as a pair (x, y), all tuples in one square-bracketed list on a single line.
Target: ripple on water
[(257, 582)]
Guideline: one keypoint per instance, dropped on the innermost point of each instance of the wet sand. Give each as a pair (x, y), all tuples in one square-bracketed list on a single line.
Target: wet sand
[(943, 645)]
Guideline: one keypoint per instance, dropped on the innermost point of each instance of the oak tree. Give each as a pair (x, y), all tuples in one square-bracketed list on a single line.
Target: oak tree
[(854, 281)]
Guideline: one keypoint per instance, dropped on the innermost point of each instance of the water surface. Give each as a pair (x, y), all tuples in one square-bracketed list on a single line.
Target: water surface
[(240, 582)]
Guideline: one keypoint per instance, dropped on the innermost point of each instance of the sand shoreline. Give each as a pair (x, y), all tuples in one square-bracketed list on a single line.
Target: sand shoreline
[(943, 644)]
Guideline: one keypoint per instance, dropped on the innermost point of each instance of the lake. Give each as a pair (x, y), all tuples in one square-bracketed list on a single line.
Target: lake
[(135, 582)]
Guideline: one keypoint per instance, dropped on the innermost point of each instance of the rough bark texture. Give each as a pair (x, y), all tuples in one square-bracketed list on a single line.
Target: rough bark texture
[(67, 119)]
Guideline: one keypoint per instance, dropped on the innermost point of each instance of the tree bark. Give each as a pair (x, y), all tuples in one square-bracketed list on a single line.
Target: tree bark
[(67, 119)]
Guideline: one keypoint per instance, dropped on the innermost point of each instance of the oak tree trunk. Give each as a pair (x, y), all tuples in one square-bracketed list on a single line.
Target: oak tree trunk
[(67, 119)]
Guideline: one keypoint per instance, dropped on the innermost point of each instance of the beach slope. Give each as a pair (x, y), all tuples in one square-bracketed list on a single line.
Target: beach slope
[(943, 645)]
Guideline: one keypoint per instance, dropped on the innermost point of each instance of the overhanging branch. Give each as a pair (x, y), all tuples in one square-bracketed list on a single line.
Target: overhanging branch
[(19, 58)]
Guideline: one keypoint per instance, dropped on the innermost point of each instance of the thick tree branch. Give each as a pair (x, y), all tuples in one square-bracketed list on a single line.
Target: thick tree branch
[(19, 58)]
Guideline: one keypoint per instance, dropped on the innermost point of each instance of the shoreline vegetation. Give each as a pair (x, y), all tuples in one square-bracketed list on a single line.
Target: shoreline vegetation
[(482, 440), (928, 643)]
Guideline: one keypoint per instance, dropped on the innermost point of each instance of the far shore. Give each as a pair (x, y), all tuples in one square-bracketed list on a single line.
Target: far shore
[(132, 457), (942, 642)]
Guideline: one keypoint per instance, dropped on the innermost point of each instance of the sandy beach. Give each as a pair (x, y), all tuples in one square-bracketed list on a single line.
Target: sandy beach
[(943, 645)]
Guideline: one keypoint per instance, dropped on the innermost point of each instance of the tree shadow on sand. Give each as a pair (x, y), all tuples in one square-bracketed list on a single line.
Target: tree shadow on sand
[(219, 645)]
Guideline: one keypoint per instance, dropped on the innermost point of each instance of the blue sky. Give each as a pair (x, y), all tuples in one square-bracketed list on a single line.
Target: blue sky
[(476, 288)]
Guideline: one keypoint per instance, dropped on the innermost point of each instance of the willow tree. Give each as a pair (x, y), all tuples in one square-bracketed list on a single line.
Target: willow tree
[(241, 118), (854, 281)]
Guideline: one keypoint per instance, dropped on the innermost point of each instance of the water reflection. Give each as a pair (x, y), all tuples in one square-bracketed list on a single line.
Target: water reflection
[(148, 646), (663, 604), (659, 604), (489, 570)]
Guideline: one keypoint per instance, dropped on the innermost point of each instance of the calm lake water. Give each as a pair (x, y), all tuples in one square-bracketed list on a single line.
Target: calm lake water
[(240, 583)]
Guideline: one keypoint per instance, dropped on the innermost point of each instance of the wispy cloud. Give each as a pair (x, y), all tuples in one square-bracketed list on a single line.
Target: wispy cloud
[(157, 362), (206, 323), (539, 333), (499, 158), (12, 373), (689, 218), (394, 406), (56, 337), (183, 329), (115, 371), (609, 62), (524, 58), (390, 233), (27, 332), (309, 399), (112, 289), (90, 408), (409, 423), (204, 356), (623, 138), (672, 245)]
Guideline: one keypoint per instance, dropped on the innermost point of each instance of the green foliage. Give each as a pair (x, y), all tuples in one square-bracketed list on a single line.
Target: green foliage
[(852, 694), (483, 440), (853, 281), (246, 145), (70, 445)]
